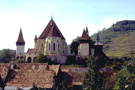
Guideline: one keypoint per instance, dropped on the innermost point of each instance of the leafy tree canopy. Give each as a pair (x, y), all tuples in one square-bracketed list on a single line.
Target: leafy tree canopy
[(126, 78), (93, 79), (40, 58), (6, 55)]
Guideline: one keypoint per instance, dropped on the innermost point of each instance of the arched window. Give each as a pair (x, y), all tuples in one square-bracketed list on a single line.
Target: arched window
[(29, 59), (42, 45), (54, 46), (49, 46), (58, 46)]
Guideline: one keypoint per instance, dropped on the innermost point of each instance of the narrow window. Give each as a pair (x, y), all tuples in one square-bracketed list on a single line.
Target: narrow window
[(49, 46), (42, 45), (58, 46), (54, 46)]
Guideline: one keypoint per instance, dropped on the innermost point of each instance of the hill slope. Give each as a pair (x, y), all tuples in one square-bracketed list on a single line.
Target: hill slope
[(119, 39)]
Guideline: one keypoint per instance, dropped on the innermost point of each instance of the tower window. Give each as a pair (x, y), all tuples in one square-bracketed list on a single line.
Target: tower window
[(54, 46)]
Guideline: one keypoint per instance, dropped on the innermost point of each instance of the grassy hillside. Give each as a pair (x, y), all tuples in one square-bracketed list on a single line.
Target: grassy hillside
[(119, 39)]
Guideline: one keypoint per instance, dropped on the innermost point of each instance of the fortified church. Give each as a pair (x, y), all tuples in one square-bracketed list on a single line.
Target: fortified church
[(52, 44)]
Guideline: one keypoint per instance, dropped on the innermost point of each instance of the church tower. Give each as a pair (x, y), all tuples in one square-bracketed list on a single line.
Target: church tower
[(98, 46), (51, 41), (20, 44), (83, 48), (35, 40)]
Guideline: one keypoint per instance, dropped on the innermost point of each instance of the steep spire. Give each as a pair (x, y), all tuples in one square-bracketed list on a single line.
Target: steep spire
[(20, 40), (98, 46), (98, 40), (85, 36), (87, 32), (84, 32), (35, 38), (51, 21)]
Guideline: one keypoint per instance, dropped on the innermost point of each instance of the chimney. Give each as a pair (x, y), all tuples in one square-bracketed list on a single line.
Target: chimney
[(12, 65)]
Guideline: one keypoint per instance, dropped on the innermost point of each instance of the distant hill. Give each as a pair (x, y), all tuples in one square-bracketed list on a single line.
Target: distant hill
[(119, 39)]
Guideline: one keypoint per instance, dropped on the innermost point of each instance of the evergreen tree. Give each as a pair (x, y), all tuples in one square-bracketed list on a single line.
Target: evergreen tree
[(93, 79)]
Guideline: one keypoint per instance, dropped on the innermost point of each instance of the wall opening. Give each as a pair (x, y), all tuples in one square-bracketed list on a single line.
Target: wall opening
[(29, 60), (54, 46), (49, 47)]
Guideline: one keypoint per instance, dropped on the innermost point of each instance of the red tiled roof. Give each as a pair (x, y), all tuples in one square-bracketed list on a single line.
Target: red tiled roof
[(26, 77), (110, 74), (51, 30), (85, 35), (55, 68), (70, 77), (33, 50), (20, 37), (25, 74), (4, 69)]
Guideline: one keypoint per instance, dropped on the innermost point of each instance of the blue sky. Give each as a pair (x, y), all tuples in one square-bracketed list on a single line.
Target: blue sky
[(71, 16)]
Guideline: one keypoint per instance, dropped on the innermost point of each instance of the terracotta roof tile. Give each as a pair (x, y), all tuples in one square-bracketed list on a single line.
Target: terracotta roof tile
[(20, 37), (4, 69), (85, 35), (26, 77), (55, 68), (33, 50), (25, 74), (110, 74), (71, 77), (51, 30)]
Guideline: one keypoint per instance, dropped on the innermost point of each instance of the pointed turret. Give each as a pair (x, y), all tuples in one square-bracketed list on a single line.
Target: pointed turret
[(98, 46), (20, 40), (20, 44), (85, 36), (35, 39), (51, 21), (98, 40), (83, 48), (87, 32)]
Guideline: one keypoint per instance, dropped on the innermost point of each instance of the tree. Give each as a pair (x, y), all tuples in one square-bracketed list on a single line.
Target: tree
[(41, 58), (126, 78), (93, 79), (74, 46), (6, 55), (20, 61)]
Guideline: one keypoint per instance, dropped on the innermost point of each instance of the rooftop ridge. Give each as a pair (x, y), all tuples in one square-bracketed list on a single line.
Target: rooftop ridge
[(51, 30)]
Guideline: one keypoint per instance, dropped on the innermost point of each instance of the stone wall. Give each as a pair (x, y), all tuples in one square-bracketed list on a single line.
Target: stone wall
[(83, 49)]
